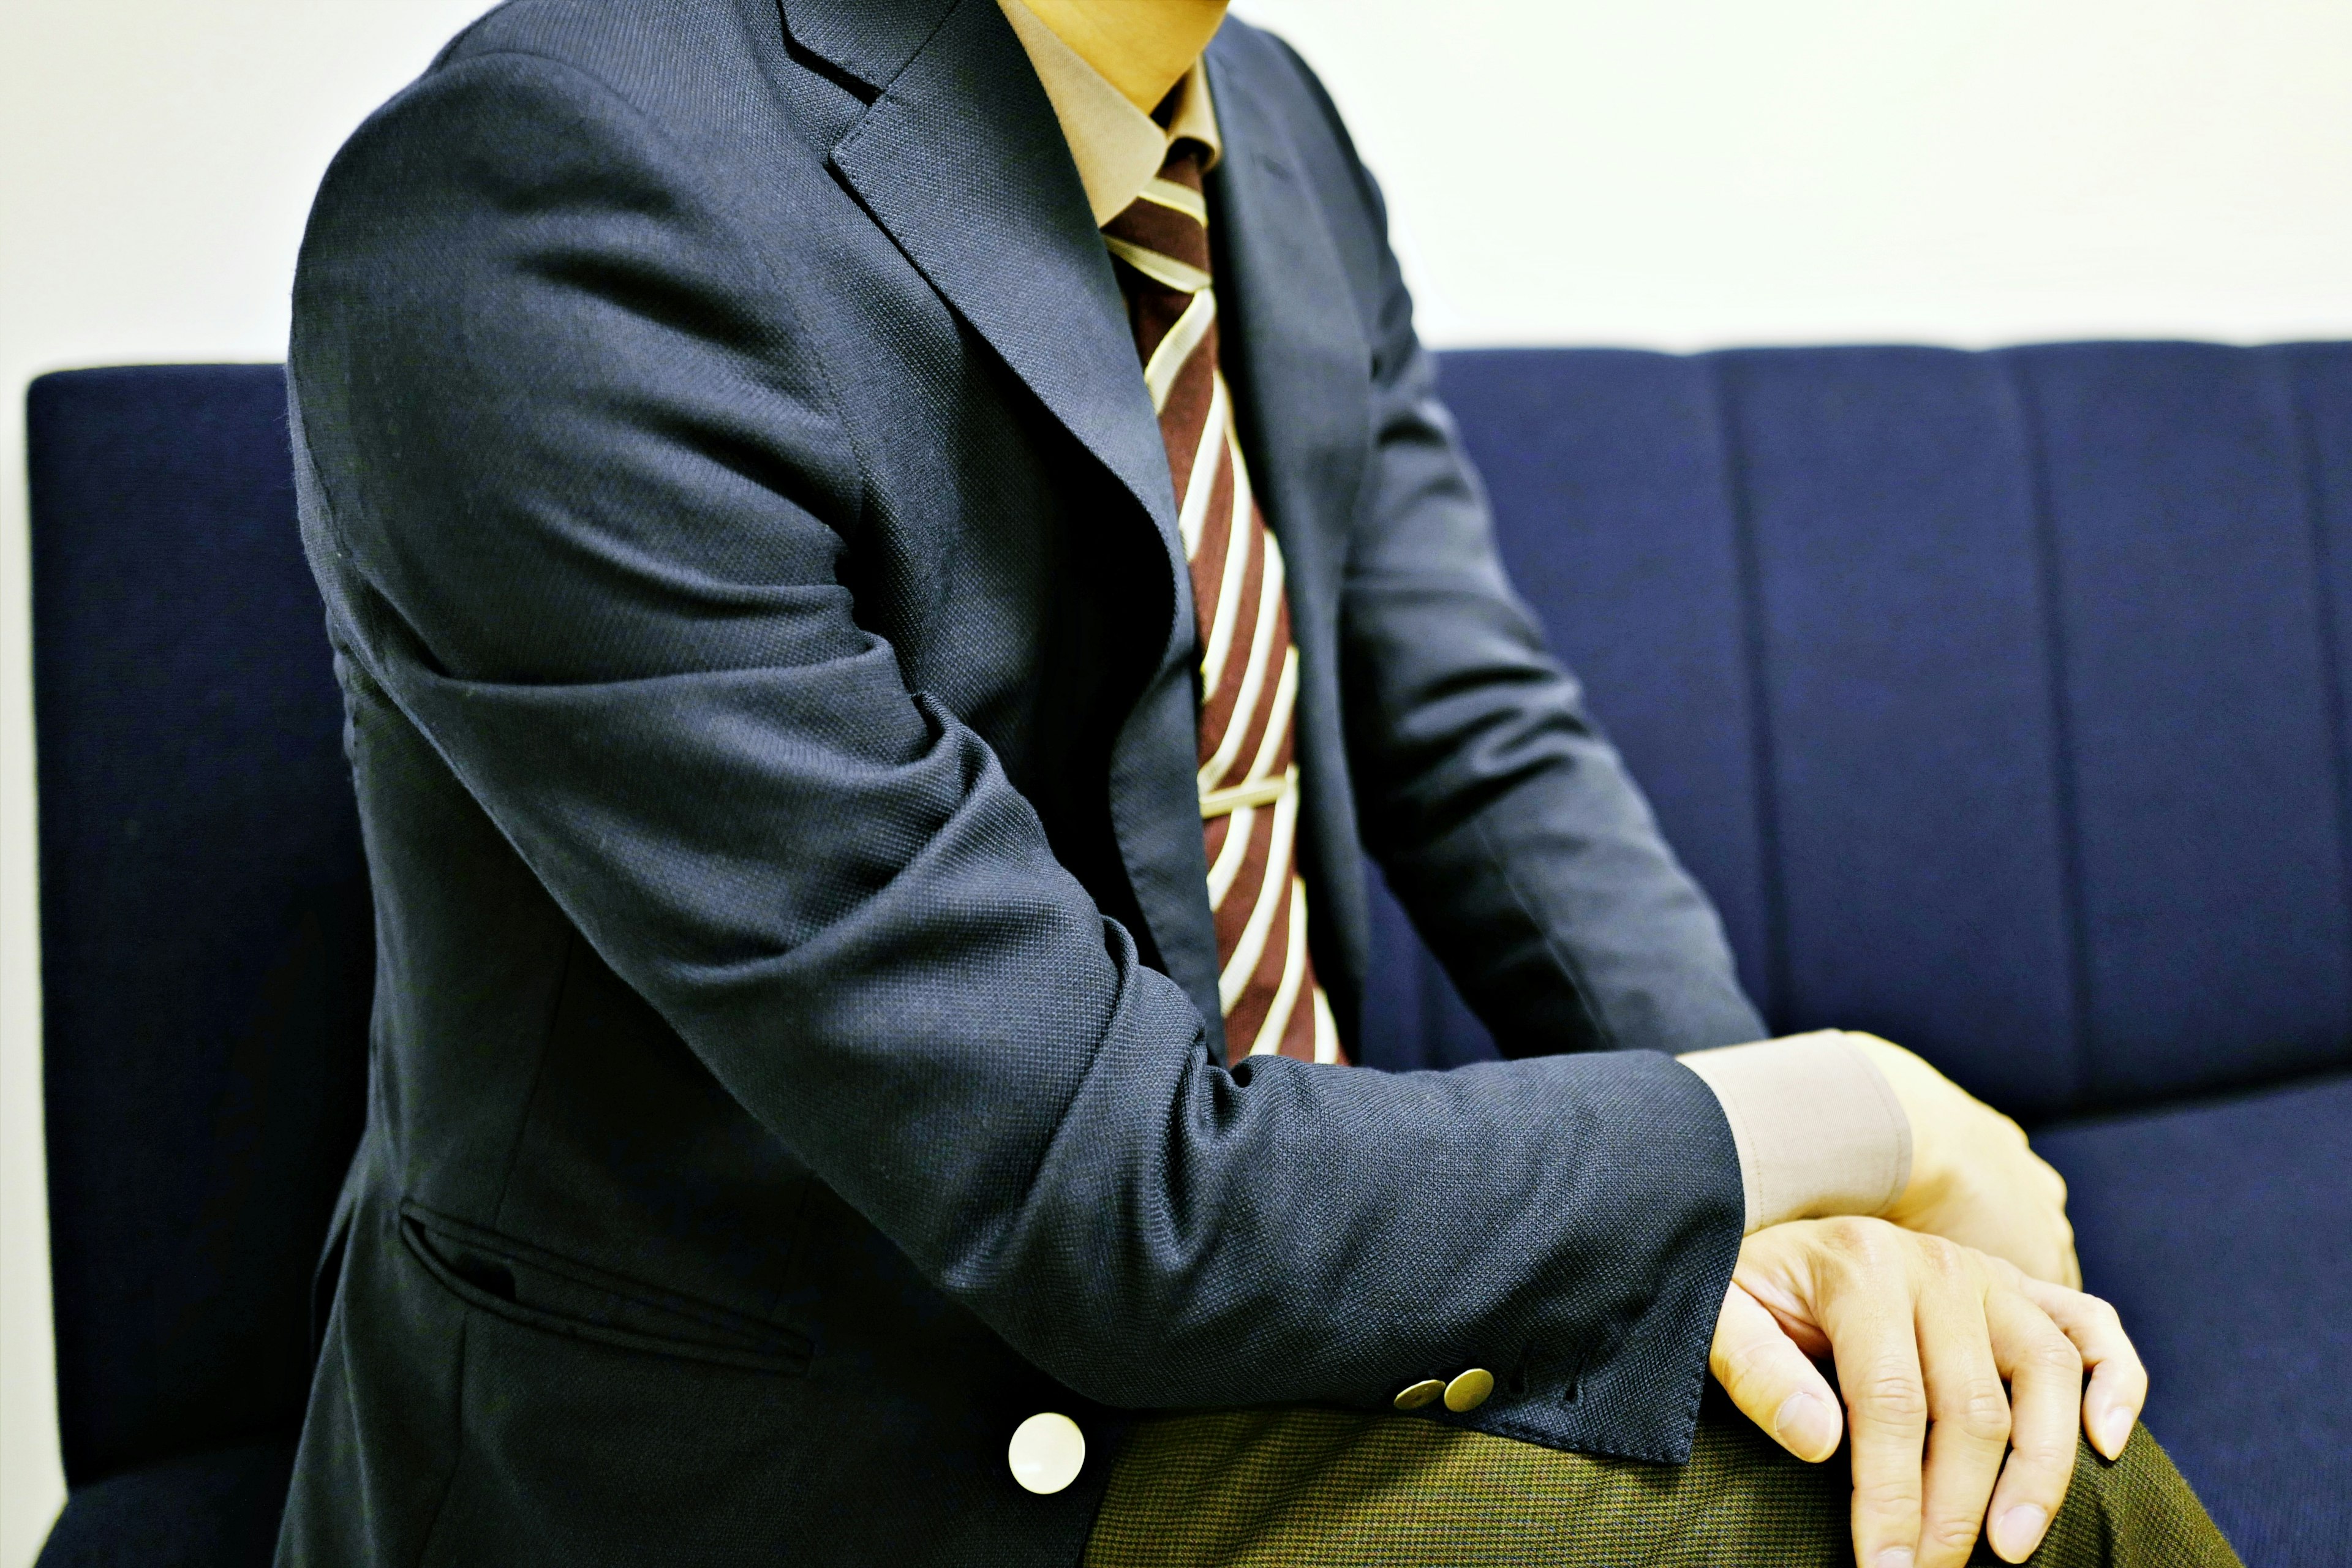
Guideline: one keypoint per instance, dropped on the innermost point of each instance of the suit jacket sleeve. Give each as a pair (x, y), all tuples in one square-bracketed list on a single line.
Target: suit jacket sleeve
[(1504, 820), (578, 502)]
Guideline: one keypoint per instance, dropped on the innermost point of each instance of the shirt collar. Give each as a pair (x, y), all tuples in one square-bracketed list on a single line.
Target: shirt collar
[(1117, 147)]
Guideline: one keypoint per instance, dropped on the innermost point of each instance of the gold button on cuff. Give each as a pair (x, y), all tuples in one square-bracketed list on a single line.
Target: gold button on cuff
[(1470, 1389), (1420, 1393)]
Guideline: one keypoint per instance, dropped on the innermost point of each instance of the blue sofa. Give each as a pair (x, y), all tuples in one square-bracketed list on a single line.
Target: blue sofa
[(2001, 700)]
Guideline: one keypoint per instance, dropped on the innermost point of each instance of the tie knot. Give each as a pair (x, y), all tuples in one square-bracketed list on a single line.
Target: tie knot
[(1163, 234), (1186, 158)]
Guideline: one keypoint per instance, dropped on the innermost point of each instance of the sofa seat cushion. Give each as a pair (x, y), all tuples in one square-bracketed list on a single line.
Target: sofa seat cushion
[(2222, 1232), (215, 1509)]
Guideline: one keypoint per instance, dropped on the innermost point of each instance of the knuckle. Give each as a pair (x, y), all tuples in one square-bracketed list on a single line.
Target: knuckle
[(1945, 1257), (2057, 1355), (1894, 1395), (1953, 1535), (1852, 1235), (1981, 1412), (1889, 1496), (1746, 1364), (2050, 1448)]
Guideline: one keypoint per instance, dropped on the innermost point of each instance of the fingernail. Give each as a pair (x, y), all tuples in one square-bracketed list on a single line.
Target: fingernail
[(1806, 1426), (1892, 1557), (2114, 1430), (2020, 1530)]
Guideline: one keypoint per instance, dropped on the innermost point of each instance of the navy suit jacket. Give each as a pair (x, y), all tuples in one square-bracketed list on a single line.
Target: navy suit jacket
[(752, 563)]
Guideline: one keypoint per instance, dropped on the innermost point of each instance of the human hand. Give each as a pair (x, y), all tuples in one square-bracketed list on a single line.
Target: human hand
[(1923, 1334), (1974, 1179)]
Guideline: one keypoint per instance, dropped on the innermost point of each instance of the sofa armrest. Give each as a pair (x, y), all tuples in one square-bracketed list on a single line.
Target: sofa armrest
[(214, 1510)]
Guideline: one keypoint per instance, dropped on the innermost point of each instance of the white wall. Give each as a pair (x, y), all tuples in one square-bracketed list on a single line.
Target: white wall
[(1683, 172), (1693, 172), (156, 158)]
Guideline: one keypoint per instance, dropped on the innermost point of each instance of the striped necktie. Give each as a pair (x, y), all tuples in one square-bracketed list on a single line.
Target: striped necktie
[(1249, 668)]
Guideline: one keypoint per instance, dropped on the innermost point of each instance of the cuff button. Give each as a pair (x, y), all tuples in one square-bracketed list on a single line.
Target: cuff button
[(1420, 1393), (1470, 1389)]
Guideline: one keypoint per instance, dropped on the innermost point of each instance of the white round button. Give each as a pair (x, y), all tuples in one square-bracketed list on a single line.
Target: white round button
[(1047, 1452)]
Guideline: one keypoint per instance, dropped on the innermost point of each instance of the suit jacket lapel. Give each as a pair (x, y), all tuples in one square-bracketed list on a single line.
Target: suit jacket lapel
[(870, 42), (959, 159), (1292, 346)]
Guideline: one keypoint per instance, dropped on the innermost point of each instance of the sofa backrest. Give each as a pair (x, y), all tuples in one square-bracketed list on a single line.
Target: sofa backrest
[(2000, 699), (206, 952)]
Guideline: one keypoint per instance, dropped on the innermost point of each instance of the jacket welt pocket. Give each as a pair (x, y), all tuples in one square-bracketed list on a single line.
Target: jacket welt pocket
[(539, 1289)]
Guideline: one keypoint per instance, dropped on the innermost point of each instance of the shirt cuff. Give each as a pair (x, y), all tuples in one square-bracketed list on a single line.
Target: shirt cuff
[(1818, 1129)]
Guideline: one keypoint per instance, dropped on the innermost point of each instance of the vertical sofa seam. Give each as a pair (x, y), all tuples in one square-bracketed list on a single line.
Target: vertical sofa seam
[(2305, 426), (1424, 999), (2073, 895), (1748, 570)]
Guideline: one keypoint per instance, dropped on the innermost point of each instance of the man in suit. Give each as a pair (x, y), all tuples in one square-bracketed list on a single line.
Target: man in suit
[(884, 557)]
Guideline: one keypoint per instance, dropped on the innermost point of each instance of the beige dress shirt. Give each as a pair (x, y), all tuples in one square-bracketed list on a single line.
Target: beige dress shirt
[(1818, 1130)]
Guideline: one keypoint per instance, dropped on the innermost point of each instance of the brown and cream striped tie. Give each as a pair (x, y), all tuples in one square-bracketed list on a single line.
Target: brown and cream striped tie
[(1249, 668)]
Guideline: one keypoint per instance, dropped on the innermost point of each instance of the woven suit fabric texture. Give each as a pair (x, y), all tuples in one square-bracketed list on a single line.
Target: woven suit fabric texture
[(1249, 665)]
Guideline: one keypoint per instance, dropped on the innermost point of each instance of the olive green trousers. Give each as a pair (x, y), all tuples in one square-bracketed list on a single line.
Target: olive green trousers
[(1317, 1489)]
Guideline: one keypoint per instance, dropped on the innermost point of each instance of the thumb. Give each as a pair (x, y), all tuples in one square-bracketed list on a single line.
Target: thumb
[(1774, 1384)]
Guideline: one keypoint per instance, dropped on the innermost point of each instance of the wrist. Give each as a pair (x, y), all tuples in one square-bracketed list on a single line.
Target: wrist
[(1913, 1089), (1923, 1093), (1817, 1130)]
